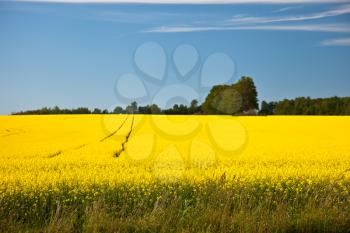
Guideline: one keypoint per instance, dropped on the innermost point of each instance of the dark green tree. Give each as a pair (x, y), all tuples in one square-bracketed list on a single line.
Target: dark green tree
[(155, 109), (246, 88), (228, 101), (118, 110), (194, 104), (208, 107), (238, 98), (194, 108), (265, 108), (131, 108), (97, 111)]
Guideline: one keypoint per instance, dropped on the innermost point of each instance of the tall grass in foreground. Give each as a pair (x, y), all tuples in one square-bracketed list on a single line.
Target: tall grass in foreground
[(213, 206)]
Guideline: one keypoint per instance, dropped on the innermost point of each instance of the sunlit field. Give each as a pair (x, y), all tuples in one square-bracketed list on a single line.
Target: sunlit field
[(144, 173)]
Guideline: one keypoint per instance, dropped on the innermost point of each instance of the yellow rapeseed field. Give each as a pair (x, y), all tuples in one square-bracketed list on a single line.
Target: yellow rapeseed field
[(49, 163)]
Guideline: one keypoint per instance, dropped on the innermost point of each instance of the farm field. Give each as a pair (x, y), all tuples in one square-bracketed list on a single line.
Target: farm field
[(157, 173)]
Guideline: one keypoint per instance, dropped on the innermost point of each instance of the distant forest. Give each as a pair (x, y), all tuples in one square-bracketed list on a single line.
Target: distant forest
[(307, 106), (239, 98)]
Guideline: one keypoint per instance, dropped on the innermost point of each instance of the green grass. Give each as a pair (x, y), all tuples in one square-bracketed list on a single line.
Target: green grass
[(210, 207)]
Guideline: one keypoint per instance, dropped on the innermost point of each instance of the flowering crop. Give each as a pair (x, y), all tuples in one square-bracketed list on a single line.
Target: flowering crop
[(67, 161)]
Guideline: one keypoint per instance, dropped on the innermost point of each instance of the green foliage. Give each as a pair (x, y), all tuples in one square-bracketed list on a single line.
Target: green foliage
[(131, 108), (228, 101), (97, 111), (55, 110), (149, 109), (308, 106), (267, 108), (246, 88), (213, 206), (194, 107), (238, 98), (177, 110), (118, 110), (194, 104), (207, 106)]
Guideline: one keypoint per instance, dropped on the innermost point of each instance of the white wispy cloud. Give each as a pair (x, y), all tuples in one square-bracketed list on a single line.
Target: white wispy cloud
[(336, 42), (242, 22), (191, 1), (133, 17), (341, 10), (289, 8), (340, 28)]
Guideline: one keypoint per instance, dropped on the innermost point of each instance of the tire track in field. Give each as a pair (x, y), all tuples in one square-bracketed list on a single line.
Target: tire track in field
[(114, 132), (118, 153), (11, 132), (59, 152), (54, 154)]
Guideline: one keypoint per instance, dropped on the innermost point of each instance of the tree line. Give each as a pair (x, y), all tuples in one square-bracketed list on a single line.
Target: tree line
[(55, 110), (132, 108), (240, 98), (307, 106)]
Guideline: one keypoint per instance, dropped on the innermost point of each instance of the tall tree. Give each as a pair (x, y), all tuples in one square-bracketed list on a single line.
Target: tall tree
[(240, 97), (155, 109), (246, 88), (97, 111), (228, 101), (131, 108), (265, 108), (194, 107), (118, 110), (208, 107)]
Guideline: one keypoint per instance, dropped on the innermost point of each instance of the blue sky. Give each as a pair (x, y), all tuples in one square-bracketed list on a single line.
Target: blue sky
[(71, 53)]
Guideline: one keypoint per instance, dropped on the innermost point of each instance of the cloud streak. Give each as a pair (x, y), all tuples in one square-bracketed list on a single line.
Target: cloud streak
[(336, 42), (284, 9), (241, 22), (133, 17), (191, 1), (342, 10), (340, 28)]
